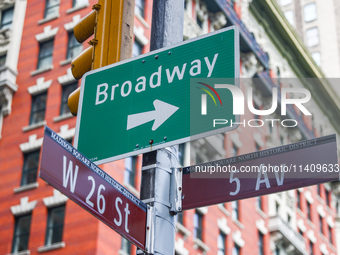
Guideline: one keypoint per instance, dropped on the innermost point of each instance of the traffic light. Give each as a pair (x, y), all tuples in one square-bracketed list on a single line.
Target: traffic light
[(107, 23)]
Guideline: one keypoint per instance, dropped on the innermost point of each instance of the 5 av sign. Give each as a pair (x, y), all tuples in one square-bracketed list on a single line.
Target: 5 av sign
[(82, 181), (147, 103)]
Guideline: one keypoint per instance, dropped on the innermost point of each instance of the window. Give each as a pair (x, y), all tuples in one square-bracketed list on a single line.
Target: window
[(317, 57), (66, 91), (3, 60), (7, 18), (45, 54), (311, 247), (139, 7), (257, 147), (180, 218), (277, 208), (55, 225), (234, 150), (21, 233), (74, 48), (309, 215), (76, 3), (298, 198), (126, 246), (320, 224), (290, 17), (51, 8), (312, 36), (328, 197), (236, 250), (198, 225), (261, 244), (199, 22), (330, 236), (221, 241), (38, 108), (137, 49), (277, 251), (130, 170), (30, 169), (319, 189), (309, 12), (235, 210), (259, 203), (285, 2), (181, 149)]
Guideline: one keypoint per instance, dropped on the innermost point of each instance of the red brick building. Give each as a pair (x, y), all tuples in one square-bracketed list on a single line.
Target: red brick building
[(36, 48)]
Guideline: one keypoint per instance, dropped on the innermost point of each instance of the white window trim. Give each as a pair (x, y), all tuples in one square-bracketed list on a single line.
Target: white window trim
[(66, 78), (32, 144), (179, 247), (51, 247), (69, 26), (24, 207), (258, 139), (79, 7), (40, 86), (55, 200), (223, 226), (330, 221), (323, 249), (311, 236), (321, 211), (235, 138), (237, 237), (202, 210), (261, 227), (48, 34), (308, 196), (66, 133), (301, 225), (139, 35)]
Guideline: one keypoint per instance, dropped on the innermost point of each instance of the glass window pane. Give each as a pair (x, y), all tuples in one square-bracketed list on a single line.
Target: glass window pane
[(79, 3), (309, 12), (51, 8), (66, 91), (137, 49), (285, 2), (74, 48), (21, 233), (317, 58), (3, 60), (139, 7), (6, 18), (312, 37), (30, 168), (55, 225), (290, 17), (45, 54), (38, 108)]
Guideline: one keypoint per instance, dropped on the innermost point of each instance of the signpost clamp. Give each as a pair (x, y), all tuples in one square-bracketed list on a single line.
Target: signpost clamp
[(150, 231), (176, 190)]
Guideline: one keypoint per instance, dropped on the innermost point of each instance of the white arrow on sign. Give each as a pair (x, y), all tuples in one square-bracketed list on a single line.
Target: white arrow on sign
[(162, 112)]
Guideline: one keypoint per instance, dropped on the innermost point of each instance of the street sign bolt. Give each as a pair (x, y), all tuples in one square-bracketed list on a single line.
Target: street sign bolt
[(165, 138), (137, 145), (180, 169), (143, 61), (179, 208), (169, 53), (151, 142), (179, 188), (156, 57), (147, 228)]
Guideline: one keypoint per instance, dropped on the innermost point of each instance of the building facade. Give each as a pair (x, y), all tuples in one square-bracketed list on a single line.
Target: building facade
[(35, 80)]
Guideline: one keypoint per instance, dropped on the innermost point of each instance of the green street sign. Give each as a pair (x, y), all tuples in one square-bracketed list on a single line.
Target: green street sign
[(159, 99)]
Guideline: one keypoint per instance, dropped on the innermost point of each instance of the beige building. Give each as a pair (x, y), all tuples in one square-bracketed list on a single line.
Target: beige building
[(318, 24)]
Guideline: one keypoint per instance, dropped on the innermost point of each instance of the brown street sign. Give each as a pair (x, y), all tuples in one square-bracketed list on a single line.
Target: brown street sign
[(67, 170), (260, 173)]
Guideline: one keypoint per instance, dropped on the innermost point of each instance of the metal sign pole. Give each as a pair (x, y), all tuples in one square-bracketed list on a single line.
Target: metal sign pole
[(158, 185)]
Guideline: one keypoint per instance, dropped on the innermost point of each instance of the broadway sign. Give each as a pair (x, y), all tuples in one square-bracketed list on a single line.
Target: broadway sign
[(260, 173), (67, 170)]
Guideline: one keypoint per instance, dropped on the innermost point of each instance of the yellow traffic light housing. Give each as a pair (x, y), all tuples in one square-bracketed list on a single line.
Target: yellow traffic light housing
[(108, 21)]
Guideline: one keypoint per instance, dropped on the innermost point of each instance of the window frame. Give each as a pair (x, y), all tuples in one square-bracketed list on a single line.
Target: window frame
[(198, 225), (221, 239), (16, 241), (6, 25), (49, 6), (36, 104), (308, 37), (66, 90), (50, 226), (74, 48), (26, 171), (314, 17), (42, 55), (140, 8)]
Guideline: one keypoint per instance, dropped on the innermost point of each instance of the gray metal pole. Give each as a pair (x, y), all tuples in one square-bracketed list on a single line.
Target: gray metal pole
[(157, 188)]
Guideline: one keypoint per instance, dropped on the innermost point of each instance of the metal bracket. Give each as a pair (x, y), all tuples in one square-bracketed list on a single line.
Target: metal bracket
[(149, 236), (176, 190)]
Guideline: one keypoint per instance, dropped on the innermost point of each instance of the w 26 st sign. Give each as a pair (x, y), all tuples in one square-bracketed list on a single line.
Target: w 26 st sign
[(82, 181)]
